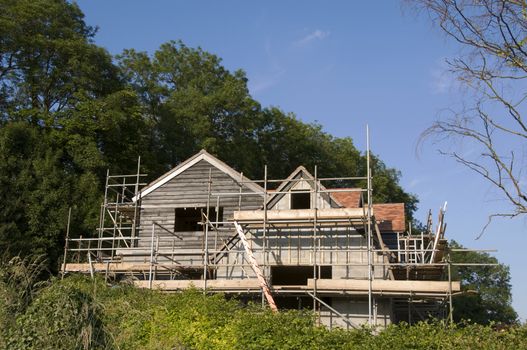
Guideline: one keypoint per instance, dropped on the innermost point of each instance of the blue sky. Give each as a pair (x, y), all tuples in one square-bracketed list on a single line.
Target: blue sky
[(343, 64)]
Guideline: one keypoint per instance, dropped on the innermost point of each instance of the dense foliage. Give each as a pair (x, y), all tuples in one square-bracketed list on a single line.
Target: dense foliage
[(81, 313), (69, 111), (487, 291)]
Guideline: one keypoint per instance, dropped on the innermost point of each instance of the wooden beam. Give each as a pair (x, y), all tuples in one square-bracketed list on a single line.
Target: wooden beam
[(387, 254), (222, 285), (256, 268), (115, 267)]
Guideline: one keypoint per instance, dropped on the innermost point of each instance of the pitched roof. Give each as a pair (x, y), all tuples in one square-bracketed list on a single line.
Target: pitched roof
[(202, 155), (390, 216), (350, 199), (300, 172)]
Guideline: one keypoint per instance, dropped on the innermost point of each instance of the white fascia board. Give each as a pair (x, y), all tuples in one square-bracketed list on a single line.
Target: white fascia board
[(191, 162), (167, 177)]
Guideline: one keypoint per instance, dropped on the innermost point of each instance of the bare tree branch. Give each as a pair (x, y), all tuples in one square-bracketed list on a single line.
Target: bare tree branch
[(493, 65), (491, 217), (493, 34)]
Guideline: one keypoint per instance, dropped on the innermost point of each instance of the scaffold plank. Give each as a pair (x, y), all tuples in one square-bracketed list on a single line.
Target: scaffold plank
[(300, 214), (386, 285)]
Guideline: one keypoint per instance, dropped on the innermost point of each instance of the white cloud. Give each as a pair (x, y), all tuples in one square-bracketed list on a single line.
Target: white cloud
[(316, 35)]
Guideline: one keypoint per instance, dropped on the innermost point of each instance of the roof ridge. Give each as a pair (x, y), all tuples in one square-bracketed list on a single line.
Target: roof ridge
[(201, 155)]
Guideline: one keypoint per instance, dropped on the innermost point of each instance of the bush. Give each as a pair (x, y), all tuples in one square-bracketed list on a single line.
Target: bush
[(83, 313), (62, 316)]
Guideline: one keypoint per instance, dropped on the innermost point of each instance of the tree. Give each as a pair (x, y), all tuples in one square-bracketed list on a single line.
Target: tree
[(493, 67), (194, 103), (68, 113), (487, 290), (64, 118), (47, 59)]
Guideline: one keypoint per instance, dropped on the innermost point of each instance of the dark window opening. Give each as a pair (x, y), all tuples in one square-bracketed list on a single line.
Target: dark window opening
[(300, 200), (297, 275), (189, 219)]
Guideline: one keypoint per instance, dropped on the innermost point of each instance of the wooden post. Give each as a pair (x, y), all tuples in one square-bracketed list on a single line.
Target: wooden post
[(438, 232)]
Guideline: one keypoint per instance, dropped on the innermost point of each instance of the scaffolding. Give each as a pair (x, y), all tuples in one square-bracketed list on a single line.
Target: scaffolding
[(119, 213), (410, 270)]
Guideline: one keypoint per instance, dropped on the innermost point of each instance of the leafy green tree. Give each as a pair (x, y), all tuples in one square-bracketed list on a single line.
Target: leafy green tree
[(46, 58), (487, 290), (67, 113), (64, 118), (36, 191), (195, 103)]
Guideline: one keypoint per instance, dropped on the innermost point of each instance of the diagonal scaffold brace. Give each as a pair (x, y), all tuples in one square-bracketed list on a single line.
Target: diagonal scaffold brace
[(256, 268)]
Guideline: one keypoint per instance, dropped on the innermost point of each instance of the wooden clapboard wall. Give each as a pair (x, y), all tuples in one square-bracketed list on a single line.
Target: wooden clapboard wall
[(190, 189)]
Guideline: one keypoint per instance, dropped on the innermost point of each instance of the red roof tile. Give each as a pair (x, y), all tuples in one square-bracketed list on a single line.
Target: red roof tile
[(347, 199), (390, 217)]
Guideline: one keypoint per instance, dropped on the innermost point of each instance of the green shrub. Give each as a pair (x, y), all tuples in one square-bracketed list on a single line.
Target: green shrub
[(62, 316), (84, 313)]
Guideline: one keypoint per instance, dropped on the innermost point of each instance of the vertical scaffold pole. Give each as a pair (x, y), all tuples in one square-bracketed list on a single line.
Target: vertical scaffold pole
[(66, 244), (370, 277), (217, 225), (92, 272), (206, 223), (264, 233), (150, 277), (241, 190), (103, 215), (450, 306), (137, 199), (315, 274)]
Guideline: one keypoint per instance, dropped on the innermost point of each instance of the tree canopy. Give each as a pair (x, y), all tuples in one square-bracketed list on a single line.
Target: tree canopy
[(487, 293), (69, 111)]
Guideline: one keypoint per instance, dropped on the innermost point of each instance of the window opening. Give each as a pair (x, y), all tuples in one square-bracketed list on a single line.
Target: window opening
[(300, 200), (189, 219)]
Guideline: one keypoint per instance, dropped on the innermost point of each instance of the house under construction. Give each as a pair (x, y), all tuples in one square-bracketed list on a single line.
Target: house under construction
[(297, 242)]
